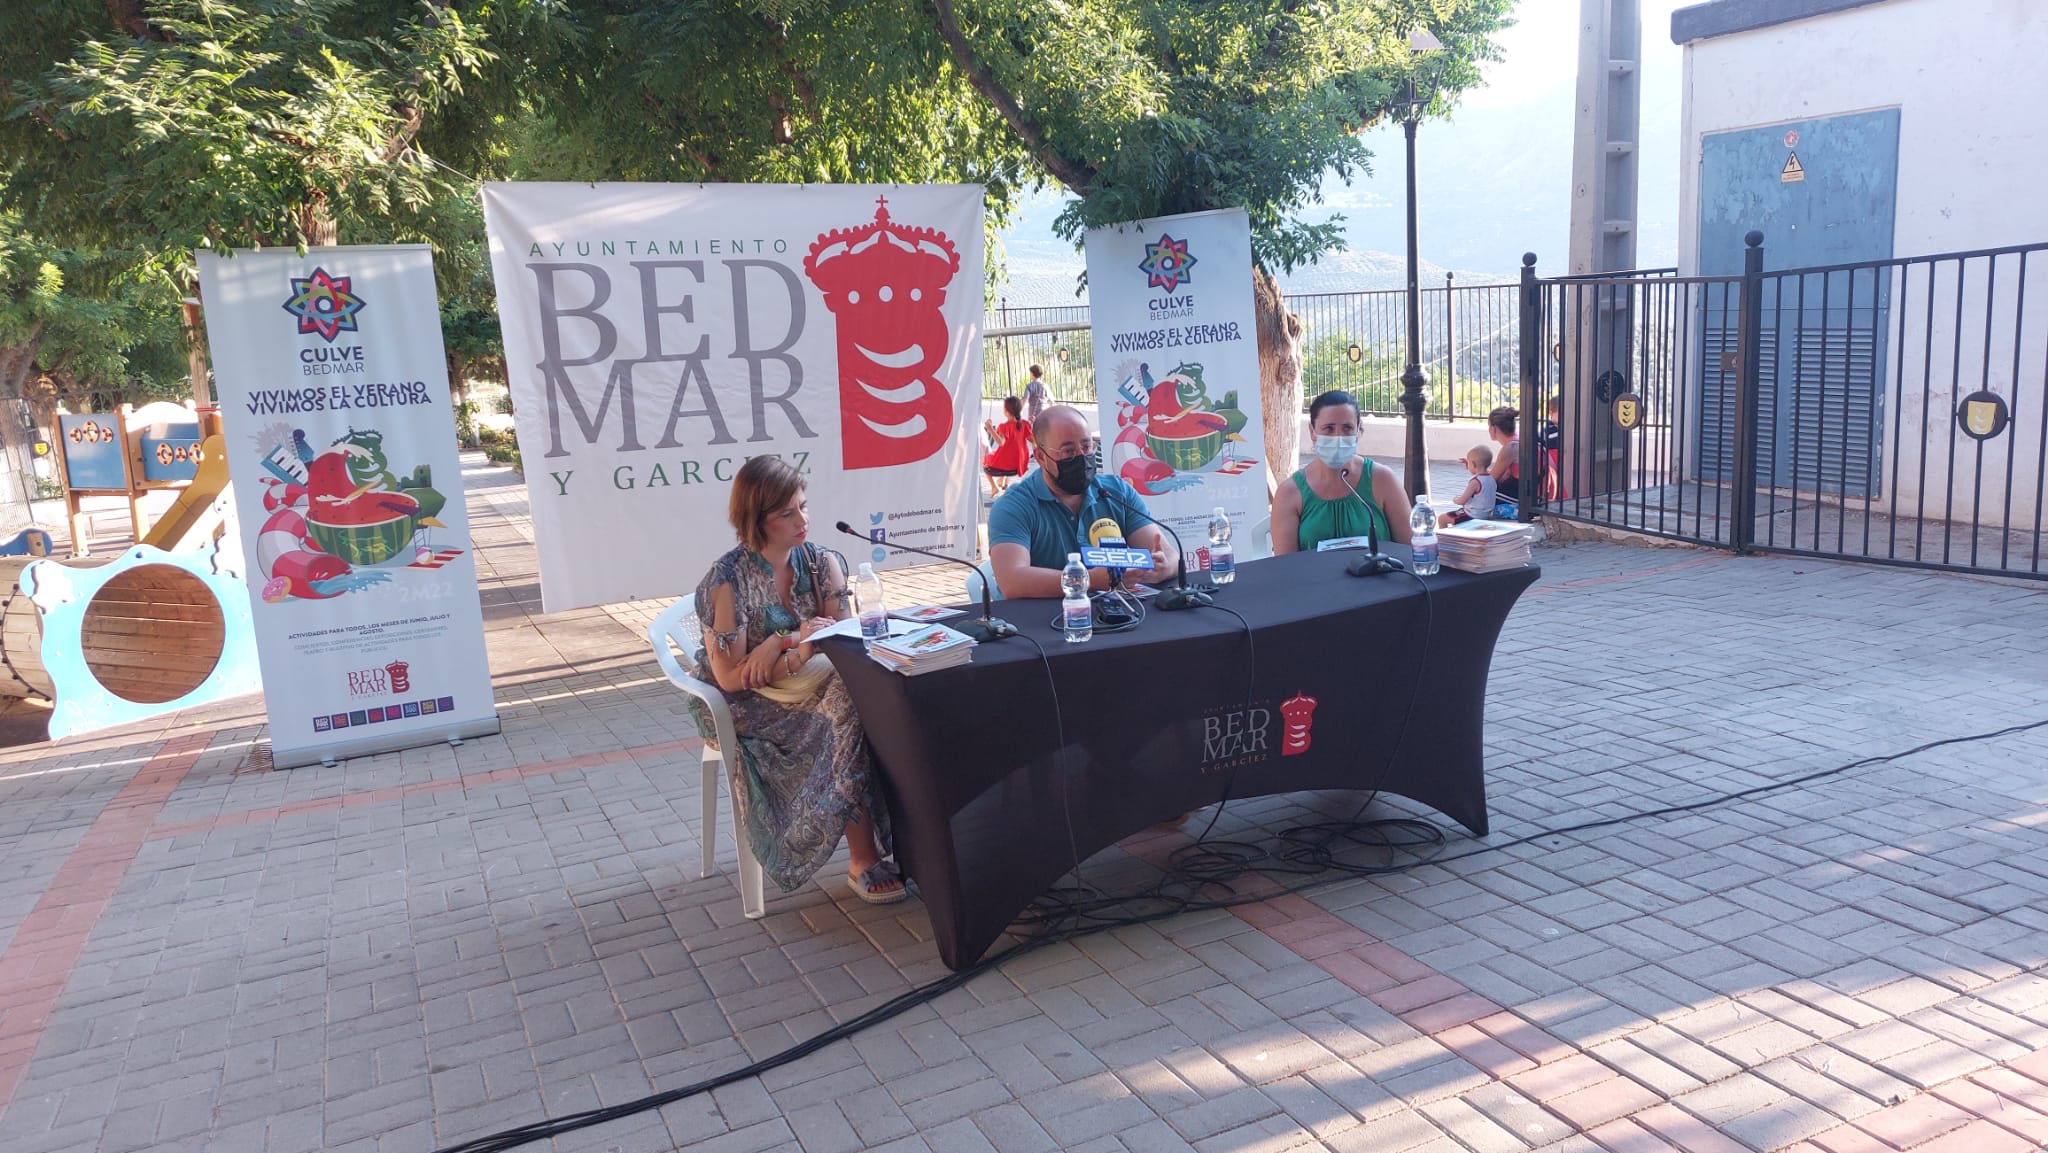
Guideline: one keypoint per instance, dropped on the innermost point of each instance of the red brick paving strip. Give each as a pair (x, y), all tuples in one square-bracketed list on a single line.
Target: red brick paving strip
[(39, 960)]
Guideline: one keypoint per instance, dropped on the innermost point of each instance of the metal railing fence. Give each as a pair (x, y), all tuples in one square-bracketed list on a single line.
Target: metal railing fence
[(1351, 340), (1893, 411)]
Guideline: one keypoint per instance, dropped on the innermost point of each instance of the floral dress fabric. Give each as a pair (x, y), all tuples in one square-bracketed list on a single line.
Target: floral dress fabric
[(804, 771)]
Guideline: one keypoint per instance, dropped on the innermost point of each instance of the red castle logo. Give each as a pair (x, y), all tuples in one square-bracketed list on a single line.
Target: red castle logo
[(886, 287), (1297, 717)]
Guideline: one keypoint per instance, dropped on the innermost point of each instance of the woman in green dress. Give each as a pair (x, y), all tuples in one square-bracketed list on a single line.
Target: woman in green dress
[(1318, 503)]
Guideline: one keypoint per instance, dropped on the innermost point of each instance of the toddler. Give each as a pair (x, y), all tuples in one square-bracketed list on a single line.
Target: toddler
[(1481, 492)]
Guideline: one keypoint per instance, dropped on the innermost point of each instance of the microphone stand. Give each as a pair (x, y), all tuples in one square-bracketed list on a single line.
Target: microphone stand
[(1180, 596), (1374, 562), (990, 627)]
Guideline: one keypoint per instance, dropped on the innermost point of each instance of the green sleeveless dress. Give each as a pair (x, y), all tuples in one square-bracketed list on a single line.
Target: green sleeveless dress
[(1323, 520)]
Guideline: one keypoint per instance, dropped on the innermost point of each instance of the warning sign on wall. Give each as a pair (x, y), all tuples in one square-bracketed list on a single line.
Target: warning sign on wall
[(1793, 172)]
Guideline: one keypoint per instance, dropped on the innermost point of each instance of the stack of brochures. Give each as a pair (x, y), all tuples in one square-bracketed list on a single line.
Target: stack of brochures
[(1484, 545), (923, 650), (926, 614)]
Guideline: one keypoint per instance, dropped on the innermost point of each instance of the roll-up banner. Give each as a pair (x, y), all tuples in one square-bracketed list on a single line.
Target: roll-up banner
[(1177, 371), (348, 491)]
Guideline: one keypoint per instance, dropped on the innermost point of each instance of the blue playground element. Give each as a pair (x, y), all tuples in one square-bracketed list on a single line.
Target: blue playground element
[(27, 542), (130, 647)]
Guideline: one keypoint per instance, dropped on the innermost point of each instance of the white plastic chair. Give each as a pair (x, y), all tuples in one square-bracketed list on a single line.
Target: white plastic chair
[(677, 628), (983, 572), (1262, 536)]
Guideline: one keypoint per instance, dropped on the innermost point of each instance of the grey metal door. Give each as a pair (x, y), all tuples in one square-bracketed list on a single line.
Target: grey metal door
[(1824, 192)]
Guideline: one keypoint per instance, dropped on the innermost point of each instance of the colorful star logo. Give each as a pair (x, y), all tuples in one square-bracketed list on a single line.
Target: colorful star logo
[(324, 304), (1167, 264)]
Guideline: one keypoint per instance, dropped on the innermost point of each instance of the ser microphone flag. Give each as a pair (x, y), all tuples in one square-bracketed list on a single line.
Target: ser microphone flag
[(1106, 548)]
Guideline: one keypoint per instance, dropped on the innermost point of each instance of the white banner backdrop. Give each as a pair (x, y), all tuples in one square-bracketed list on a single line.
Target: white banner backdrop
[(341, 452), (658, 335), (1177, 371)]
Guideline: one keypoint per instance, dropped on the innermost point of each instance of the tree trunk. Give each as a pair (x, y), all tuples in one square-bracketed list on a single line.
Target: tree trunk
[(17, 364), (317, 223), (458, 388), (1280, 399)]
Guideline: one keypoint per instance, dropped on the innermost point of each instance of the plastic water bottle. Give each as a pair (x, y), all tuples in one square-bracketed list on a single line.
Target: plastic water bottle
[(1222, 560), (1422, 541), (1075, 613), (874, 614)]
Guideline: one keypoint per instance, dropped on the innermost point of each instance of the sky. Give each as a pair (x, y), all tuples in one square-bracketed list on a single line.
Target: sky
[(1494, 180)]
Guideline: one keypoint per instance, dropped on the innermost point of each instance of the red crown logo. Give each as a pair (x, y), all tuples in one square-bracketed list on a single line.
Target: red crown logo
[(881, 253)]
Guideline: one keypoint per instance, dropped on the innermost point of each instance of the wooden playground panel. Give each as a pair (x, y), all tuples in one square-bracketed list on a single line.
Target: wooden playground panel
[(131, 453)]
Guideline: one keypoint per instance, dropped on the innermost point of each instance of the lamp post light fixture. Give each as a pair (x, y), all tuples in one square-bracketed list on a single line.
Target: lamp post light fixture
[(1414, 397)]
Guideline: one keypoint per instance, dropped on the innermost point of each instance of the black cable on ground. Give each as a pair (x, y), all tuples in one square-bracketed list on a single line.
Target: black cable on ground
[(1310, 855)]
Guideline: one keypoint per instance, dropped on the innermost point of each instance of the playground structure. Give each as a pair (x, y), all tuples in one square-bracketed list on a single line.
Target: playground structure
[(164, 625), (134, 452), (123, 639)]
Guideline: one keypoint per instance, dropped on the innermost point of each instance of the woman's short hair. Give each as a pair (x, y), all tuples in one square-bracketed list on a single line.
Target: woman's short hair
[(1503, 418), (1330, 399), (1014, 407), (763, 484)]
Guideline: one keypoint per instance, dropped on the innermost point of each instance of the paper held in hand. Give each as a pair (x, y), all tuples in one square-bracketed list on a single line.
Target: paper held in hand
[(923, 650), (1484, 545)]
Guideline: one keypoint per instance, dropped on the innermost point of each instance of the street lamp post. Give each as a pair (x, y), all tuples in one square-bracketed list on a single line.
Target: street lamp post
[(1414, 395)]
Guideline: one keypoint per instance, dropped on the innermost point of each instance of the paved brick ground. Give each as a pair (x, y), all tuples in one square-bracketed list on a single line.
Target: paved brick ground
[(198, 952)]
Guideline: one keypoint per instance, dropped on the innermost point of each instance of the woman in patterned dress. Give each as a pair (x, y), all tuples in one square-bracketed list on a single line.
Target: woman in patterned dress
[(804, 767)]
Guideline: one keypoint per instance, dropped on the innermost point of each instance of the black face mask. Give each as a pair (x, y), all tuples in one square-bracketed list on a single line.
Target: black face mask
[(1071, 475)]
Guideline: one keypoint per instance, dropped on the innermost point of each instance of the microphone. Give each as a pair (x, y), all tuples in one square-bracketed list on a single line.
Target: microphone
[(1105, 534), (1180, 596), (990, 627), (1374, 562)]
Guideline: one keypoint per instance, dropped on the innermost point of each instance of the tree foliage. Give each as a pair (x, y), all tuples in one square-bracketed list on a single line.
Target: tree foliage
[(1168, 106), (187, 123), (158, 126), (93, 318)]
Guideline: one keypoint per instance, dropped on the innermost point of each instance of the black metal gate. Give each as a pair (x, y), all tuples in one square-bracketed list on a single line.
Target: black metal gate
[(1892, 411)]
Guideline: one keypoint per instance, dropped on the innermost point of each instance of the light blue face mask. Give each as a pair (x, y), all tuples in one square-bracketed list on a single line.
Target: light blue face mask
[(1336, 451)]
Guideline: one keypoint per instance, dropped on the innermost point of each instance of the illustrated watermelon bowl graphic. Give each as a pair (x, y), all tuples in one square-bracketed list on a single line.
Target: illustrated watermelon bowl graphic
[(1189, 443), (369, 530)]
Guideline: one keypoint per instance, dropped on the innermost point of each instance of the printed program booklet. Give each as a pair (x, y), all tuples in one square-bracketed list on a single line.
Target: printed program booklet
[(926, 614), (923, 650)]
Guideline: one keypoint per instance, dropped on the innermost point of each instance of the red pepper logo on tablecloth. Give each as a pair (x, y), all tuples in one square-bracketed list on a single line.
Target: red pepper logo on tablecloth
[(324, 305), (886, 286), (1297, 717)]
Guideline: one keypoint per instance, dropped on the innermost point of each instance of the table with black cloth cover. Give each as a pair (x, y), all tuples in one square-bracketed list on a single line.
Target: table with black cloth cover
[(1343, 683)]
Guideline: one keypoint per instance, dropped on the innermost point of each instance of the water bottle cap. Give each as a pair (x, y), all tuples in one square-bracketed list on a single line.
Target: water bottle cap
[(866, 569), (1073, 558), (1219, 511)]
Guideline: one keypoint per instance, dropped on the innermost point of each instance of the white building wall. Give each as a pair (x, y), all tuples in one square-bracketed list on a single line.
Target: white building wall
[(1967, 76), (1968, 79)]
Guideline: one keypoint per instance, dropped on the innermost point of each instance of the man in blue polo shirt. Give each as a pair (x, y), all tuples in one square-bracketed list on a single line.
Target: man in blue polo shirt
[(1040, 519)]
